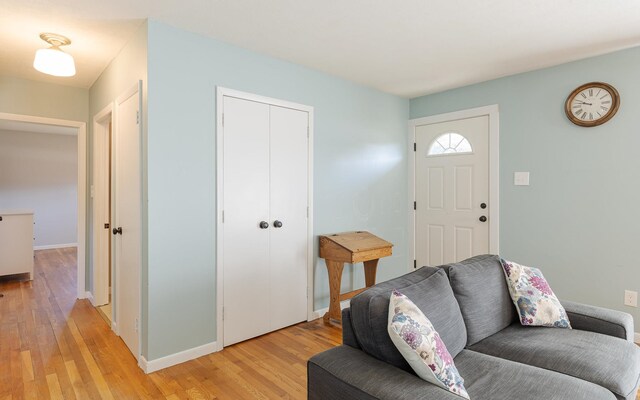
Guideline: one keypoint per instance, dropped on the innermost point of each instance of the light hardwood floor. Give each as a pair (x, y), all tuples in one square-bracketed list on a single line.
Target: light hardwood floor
[(53, 346)]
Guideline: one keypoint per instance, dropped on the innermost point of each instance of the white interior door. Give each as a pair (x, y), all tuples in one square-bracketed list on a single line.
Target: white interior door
[(128, 217), (265, 230), (246, 205), (452, 189), (101, 210), (289, 200)]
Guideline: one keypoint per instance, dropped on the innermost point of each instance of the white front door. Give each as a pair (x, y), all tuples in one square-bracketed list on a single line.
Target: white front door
[(452, 190), (265, 173), (127, 222)]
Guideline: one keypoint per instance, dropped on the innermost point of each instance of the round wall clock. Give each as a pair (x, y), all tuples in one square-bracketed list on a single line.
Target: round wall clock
[(592, 104)]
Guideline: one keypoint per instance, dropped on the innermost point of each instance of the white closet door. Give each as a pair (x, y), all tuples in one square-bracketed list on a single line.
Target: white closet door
[(289, 200), (246, 203)]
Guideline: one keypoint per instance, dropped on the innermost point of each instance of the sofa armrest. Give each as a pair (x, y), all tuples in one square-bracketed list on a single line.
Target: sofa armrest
[(599, 320), (345, 373)]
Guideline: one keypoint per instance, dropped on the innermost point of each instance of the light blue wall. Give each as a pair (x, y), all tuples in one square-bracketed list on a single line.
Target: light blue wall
[(578, 220), (359, 179)]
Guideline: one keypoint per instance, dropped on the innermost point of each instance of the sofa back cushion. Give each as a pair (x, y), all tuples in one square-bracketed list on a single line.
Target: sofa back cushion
[(429, 289), (482, 293)]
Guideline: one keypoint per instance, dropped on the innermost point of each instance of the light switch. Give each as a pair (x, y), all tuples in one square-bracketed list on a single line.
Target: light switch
[(521, 178)]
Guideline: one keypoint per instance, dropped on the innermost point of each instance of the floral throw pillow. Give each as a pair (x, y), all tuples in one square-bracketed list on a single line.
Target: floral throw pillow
[(533, 298), (420, 344)]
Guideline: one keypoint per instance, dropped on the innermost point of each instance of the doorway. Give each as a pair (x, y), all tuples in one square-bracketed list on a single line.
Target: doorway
[(117, 217), (264, 215), (101, 223), (454, 186), (81, 141)]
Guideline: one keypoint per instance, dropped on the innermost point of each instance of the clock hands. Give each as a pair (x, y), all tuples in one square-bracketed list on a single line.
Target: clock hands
[(582, 102)]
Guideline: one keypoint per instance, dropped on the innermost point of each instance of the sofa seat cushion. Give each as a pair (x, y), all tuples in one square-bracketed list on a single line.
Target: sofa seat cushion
[(347, 373), (429, 289), (487, 377), (481, 290), (607, 361)]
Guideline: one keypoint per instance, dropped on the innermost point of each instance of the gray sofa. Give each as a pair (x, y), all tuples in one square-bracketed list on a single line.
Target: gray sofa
[(469, 305)]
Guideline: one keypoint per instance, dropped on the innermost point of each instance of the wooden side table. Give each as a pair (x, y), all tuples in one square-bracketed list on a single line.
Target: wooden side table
[(351, 247)]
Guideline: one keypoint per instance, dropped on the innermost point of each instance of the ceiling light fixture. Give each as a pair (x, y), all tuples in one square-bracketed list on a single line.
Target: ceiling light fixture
[(54, 61)]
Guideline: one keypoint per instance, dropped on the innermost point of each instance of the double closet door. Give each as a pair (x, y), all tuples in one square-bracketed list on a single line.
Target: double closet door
[(265, 206)]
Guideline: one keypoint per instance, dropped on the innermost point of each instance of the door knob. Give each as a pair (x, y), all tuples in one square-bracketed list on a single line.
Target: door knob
[(264, 224), (117, 230), (277, 224), (483, 218), (483, 205)]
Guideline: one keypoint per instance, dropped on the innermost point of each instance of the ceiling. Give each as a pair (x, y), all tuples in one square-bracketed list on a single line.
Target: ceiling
[(407, 48)]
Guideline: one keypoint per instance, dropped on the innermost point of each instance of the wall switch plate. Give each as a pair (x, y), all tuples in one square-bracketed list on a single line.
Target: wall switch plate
[(630, 298), (521, 178)]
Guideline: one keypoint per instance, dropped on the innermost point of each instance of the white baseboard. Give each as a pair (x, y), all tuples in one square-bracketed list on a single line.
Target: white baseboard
[(320, 313), (89, 296), (55, 246), (636, 337), (176, 358)]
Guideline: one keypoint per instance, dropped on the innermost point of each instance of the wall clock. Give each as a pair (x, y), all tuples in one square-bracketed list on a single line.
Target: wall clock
[(592, 104)]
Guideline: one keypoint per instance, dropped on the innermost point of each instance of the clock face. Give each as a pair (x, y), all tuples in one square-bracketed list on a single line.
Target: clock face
[(592, 104)]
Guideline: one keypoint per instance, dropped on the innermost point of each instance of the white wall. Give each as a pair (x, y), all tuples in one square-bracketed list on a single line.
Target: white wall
[(39, 171)]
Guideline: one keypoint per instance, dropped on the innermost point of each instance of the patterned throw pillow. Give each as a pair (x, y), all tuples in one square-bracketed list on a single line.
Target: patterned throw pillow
[(420, 344), (534, 299)]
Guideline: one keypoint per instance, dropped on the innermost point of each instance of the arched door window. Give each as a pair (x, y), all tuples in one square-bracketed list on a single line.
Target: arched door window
[(449, 143)]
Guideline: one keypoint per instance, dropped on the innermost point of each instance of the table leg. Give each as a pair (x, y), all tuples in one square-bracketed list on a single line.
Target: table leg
[(370, 268), (335, 277)]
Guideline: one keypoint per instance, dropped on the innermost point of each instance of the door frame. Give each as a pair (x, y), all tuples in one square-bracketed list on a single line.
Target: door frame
[(81, 292), (492, 111), (220, 93), (100, 277)]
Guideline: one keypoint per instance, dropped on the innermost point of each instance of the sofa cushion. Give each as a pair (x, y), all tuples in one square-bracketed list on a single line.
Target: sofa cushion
[(346, 373), (610, 362), (481, 290), (487, 377), (420, 344), (430, 290)]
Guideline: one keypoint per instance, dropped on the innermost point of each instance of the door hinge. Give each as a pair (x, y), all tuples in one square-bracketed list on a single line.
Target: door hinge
[(223, 313), (106, 226), (415, 264), (415, 146), (137, 117), (415, 205)]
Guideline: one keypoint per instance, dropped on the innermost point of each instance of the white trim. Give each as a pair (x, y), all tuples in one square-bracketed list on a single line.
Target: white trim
[(89, 296), (176, 358), (82, 185), (55, 246), (220, 93), (636, 337), (492, 111), (101, 121), (320, 312)]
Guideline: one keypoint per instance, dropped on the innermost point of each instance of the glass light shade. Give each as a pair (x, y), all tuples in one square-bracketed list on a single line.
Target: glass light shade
[(54, 61)]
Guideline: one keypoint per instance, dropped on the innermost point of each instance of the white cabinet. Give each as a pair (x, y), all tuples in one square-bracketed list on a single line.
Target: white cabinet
[(16, 242)]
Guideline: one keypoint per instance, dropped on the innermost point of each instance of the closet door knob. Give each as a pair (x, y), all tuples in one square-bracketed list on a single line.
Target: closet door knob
[(264, 224), (483, 219), (483, 205), (117, 230), (277, 224)]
